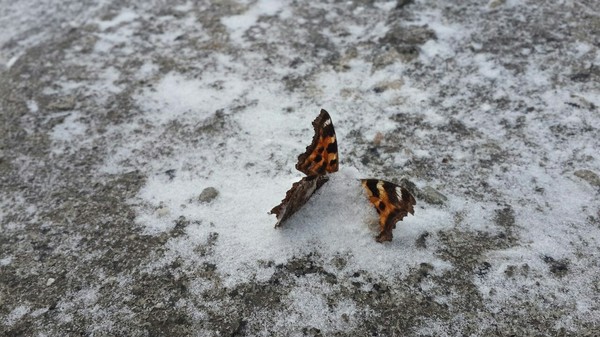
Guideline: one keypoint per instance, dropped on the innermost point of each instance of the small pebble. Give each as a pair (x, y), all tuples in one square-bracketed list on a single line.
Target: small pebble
[(589, 176), (208, 194), (62, 104), (50, 281), (431, 196), (163, 211)]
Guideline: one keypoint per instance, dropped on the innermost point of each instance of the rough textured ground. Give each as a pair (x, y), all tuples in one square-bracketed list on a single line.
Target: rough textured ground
[(116, 116)]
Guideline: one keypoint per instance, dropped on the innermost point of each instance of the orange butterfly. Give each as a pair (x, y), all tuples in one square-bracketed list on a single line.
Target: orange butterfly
[(391, 201)]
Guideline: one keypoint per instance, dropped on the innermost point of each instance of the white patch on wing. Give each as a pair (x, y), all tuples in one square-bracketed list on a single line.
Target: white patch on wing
[(380, 187), (399, 193)]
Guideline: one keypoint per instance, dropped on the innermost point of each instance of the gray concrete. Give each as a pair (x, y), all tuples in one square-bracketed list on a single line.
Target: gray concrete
[(67, 227)]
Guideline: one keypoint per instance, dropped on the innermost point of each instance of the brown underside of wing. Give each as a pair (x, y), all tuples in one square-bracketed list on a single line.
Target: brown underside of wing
[(321, 155), (296, 197), (392, 203)]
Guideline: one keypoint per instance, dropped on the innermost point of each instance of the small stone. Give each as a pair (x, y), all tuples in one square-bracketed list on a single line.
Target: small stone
[(422, 240), (170, 173), (162, 211), (378, 138), (589, 176), (483, 268), (180, 224), (62, 104), (388, 85), (385, 58), (425, 269), (401, 35), (208, 194), (431, 196), (50, 281), (496, 3), (557, 267), (510, 271)]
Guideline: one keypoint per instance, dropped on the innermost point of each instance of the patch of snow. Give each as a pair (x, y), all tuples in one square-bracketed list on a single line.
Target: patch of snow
[(147, 69), (32, 106), (12, 61), (107, 42), (16, 314), (5, 261), (421, 153), (239, 24), (307, 306), (38, 312), (432, 49), (107, 78), (243, 229), (126, 15), (186, 7), (487, 68), (176, 96), (70, 129), (386, 6)]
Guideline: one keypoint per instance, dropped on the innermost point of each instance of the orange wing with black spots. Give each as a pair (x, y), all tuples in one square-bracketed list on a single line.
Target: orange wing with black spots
[(392, 203), (321, 156)]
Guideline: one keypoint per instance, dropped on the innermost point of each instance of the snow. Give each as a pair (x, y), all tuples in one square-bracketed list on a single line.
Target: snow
[(239, 24), (125, 16), (243, 229), (21, 22), (5, 261), (69, 130), (16, 314), (308, 304), (180, 96), (12, 61), (32, 106), (229, 122)]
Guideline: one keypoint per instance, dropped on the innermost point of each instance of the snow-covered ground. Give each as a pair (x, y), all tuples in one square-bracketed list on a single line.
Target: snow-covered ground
[(144, 144)]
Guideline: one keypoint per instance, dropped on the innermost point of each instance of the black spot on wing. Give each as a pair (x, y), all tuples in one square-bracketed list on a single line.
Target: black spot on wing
[(332, 162), (332, 147), (321, 169), (406, 196), (390, 190), (319, 126), (372, 186), (328, 130), (318, 158), (392, 218), (381, 205)]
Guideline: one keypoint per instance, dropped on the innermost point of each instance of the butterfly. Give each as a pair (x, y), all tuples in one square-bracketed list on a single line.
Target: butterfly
[(391, 201)]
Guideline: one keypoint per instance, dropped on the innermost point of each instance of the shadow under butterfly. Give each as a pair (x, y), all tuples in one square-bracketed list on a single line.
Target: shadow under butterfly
[(391, 201)]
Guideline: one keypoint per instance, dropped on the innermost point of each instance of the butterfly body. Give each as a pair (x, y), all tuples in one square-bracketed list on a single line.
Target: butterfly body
[(391, 201)]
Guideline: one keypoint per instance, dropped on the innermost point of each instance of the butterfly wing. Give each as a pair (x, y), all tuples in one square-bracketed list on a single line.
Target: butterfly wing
[(392, 203), (321, 155), (296, 197)]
